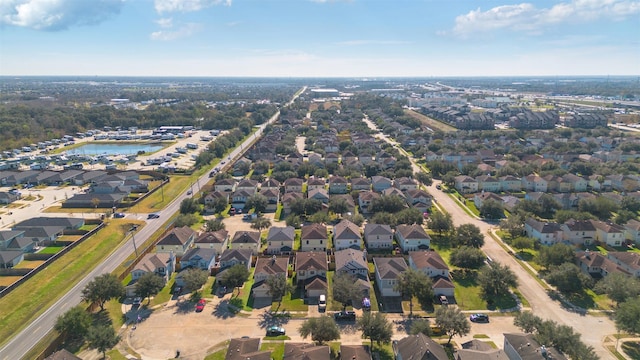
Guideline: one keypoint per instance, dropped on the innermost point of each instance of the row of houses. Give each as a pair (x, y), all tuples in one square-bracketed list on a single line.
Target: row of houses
[(50, 177), (583, 232)]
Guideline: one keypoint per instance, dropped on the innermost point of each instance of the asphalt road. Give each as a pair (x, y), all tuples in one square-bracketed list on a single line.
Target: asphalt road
[(23, 341), (592, 328)]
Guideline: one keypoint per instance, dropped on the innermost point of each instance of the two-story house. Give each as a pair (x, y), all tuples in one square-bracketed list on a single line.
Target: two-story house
[(217, 240), (548, 233), (346, 235), (338, 185), (280, 240), (311, 272), (432, 265), (313, 237), (293, 185), (178, 241), (609, 233), (199, 258), (354, 263), (225, 185), (412, 238), (388, 272), (378, 236), (246, 240), (266, 267), (380, 183), (161, 264)]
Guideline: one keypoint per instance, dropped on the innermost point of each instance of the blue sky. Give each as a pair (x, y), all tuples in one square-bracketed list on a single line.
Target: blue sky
[(309, 38)]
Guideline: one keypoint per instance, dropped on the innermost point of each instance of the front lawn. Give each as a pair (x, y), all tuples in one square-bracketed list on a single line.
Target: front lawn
[(292, 302), (165, 294), (51, 250), (276, 348)]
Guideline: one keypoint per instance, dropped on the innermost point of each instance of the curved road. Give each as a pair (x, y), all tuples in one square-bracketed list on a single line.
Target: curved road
[(592, 328), (23, 341)]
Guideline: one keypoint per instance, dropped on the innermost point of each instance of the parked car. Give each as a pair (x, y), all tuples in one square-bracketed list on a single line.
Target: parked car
[(118, 215), (345, 316), (200, 305), (137, 300), (232, 211), (366, 304), (153, 216), (189, 192), (479, 318), (443, 300), (275, 331), (322, 303)]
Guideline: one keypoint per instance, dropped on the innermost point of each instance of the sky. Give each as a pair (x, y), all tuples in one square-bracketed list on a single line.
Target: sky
[(319, 38)]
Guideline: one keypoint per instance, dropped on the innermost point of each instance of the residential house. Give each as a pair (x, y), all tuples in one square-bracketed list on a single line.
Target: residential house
[(225, 185), (240, 197), (10, 258), (44, 235), (510, 183), (432, 265), (313, 238), (311, 272), (579, 232), (301, 351), (360, 183), (597, 265), (392, 191), (488, 183), (331, 158), (199, 258), (273, 198), (547, 233), (293, 185), (348, 200), (354, 263), (525, 347), (319, 194), (216, 240), (346, 235), (632, 231), (480, 198), (246, 348), (211, 197), (466, 184), (378, 236), (7, 198), (364, 200), (609, 233), (577, 183), (246, 240), (316, 183), (418, 347), (419, 196), (86, 200), (15, 240), (479, 350), (233, 257), (380, 183), (247, 185), (280, 240), (629, 261), (63, 354), (534, 183), (288, 199), (355, 352), (412, 238), (161, 264), (388, 270), (178, 241), (405, 184), (338, 185), (270, 184), (89, 177), (266, 267)]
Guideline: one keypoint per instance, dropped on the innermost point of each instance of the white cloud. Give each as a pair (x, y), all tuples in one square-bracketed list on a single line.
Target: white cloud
[(163, 6), (55, 15), (526, 17), (373, 42), (183, 31), (165, 22)]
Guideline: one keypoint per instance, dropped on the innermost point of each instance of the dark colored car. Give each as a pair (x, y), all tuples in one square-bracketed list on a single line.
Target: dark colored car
[(118, 215), (345, 316), (200, 305), (153, 216), (479, 318), (275, 331)]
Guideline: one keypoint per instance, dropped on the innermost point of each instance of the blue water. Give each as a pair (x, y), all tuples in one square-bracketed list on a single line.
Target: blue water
[(115, 149)]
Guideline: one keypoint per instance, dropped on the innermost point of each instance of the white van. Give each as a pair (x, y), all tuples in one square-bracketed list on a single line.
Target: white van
[(322, 303)]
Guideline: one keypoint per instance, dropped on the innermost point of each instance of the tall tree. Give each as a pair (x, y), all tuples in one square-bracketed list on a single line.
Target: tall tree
[(279, 287), (235, 276), (568, 278), (469, 235), (496, 280), (258, 202), (440, 222), (149, 285), (219, 204), (523, 242), (260, 223), (102, 338), (452, 321), (338, 205), (345, 289), (628, 316), (556, 254), (527, 322), (467, 257), (491, 209), (421, 326), (321, 329), (414, 283), (74, 323), (375, 327), (102, 289), (194, 278), (215, 225), (619, 287), (189, 206)]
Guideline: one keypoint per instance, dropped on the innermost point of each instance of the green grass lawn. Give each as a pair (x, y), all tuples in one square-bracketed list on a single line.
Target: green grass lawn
[(165, 294), (292, 302), (245, 293), (219, 351), (276, 348), (51, 250)]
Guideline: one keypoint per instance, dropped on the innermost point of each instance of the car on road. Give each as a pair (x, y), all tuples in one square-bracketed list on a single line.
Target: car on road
[(119, 215), (344, 316), (153, 216), (479, 318), (438, 186), (200, 305), (137, 300), (189, 192), (275, 331)]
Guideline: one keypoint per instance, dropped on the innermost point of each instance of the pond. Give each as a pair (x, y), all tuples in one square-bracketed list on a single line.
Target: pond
[(115, 149)]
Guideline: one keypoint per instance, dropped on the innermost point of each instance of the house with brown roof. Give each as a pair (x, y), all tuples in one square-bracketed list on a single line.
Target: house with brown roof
[(364, 200), (548, 233), (266, 267), (161, 264), (246, 240), (525, 347), (178, 241), (418, 196), (418, 347), (273, 198), (632, 231), (578, 232), (405, 184), (534, 183), (355, 352), (302, 351), (211, 197), (479, 350), (380, 183), (432, 265), (225, 185), (346, 235), (354, 263), (629, 261), (319, 194), (245, 349), (378, 236), (272, 184), (233, 257), (609, 233), (63, 354), (338, 185), (311, 272), (510, 183), (216, 240), (313, 237), (288, 199), (597, 265), (293, 185), (387, 272), (412, 237), (280, 240), (360, 183), (481, 197), (466, 184), (316, 183)]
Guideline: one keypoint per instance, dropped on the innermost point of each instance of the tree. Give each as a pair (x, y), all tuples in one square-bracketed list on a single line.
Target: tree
[(383, 217), (387, 203), (452, 321), (185, 220), (356, 219), (258, 202), (321, 329), (568, 278), (491, 209), (149, 285), (496, 280), (345, 289), (74, 323), (293, 220), (194, 278), (420, 326), (102, 338), (375, 327), (189, 206), (235, 276), (338, 205), (523, 242), (527, 322), (278, 287), (469, 235), (414, 283), (440, 222), (219, 204), (410, 216), (260, 223), (555, 254), (619, 287), (628, 316), (424, 178), (215, 225), (513, 224), (467, 257), (102, 289)]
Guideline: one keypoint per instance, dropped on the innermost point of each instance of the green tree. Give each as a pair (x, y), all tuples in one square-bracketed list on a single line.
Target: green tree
[(345, 289), (619, 287), (194, 278), (467, 257), (387, 203), (409, 216), (440, 222), (235, 276), (568, 278), (74, 323), (279, 287), (102, 338), (102, 289), (338, 205), (294, 221), (496, 280), (415, 283), (258, 202), (219, 204), (215, 225), (260, 223), (384, 218), (555, 254), (527, 322), (420, 326), (189, 206), (452, 321), (95, 202), (469, 235), (149, 285), (513, 224), (321, 329), (491, 209), (185, 220), (375, 327), (522, 242), (424, 178), (628, 316)]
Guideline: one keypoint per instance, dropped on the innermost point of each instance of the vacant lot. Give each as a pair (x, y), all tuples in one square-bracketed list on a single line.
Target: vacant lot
[(434, 124), (8, 280)]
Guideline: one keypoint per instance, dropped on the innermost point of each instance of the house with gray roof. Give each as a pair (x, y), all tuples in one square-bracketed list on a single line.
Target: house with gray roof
[(387, 272), (378, 236), (418, 347), (245, 349), (178, 241), (10, 258), (412, 237), (216, 240), (301, 351), (246, 240), (354, 263), (520, 346), (280, 240), (199, 258)]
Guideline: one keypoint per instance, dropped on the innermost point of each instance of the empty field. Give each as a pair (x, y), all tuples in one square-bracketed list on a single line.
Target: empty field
[(434, 124), (8, 280), (29, 264)]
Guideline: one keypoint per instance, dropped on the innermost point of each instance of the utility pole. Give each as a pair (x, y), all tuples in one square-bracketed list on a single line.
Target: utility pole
[(135, 248)]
